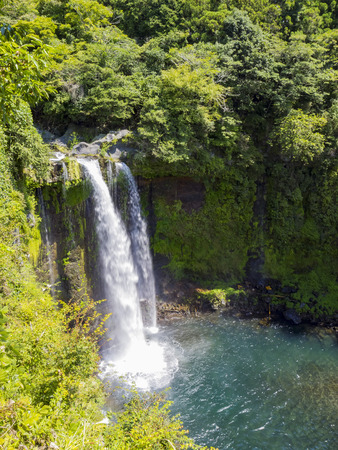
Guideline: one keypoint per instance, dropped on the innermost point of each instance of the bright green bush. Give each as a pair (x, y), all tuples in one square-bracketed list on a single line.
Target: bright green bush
[(145, 423)]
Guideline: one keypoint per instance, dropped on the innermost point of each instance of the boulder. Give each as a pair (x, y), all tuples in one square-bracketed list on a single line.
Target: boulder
[(47, 137), (72, 130), (292, 316), (83, 148), (115, 150)]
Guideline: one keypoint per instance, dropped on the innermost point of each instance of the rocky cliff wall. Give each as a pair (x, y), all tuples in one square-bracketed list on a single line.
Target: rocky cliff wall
[(239, 229)]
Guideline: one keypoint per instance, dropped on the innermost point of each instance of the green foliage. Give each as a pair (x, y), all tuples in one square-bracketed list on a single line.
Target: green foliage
[(148, 18), (250, 67), (99, 84), (76, 19), (145, 423), (332, 125), (300, 138), (301, 218), (211, 242), (300, 74), (181, 112), (230, 93), (310, 17), (49, 395), (25, 147), (23, 61), (219, 297), (18, 9), (44, 392), (264, 13)]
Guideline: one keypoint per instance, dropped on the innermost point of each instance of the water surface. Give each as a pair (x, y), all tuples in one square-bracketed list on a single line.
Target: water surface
[(241, 385)]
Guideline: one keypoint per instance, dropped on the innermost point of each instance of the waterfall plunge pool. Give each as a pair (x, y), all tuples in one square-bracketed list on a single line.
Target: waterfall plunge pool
[(236, 384), (240, 385)]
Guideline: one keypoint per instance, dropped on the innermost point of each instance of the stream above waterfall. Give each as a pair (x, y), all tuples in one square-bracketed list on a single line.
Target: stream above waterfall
[(240, 385)]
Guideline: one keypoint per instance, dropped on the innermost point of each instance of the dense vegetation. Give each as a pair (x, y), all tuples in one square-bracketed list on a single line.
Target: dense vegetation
[(50, 396), (240, 95)]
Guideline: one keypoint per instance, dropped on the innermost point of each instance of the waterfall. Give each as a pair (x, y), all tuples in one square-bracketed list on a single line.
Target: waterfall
[(46, 226), (125, 268), (64, 172), (118, 273), (141, 251), (112, 182)]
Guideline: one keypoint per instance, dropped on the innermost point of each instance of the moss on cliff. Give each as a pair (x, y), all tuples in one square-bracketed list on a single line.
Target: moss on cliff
[(66, 226), (278, 228), (211, 241), (300, 251)]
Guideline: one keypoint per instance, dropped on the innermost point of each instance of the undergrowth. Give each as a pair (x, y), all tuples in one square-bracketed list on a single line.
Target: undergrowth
[(50, 395)]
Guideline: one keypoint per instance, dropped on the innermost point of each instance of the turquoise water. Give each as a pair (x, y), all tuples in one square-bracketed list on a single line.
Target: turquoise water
[(241, 385)]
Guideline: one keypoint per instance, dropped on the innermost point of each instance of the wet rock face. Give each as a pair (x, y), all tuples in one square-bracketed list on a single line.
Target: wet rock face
[(292, 316), (189, 192), (74, 276), (70, 240)]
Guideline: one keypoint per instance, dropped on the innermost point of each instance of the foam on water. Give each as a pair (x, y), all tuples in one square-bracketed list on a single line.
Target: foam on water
[(148, 365), (126, 276)]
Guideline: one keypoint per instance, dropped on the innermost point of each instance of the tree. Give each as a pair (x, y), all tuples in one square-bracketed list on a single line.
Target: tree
[(23, 60), (302, 65), (300, 137), (77, 19), (180, 112), (264, 13), (310, 17), (148, 18), (249, 66)]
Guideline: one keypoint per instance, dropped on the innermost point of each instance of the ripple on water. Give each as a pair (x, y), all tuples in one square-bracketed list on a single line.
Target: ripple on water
[(240, 385)]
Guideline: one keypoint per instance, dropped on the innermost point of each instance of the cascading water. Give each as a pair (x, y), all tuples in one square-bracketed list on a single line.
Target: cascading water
[(141, 252), (129, 353), (64, 172), (45, 225), (112, 182), (118, 273)]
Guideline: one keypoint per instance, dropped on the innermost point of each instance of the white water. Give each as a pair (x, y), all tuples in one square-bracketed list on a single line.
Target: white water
[(141, 251), (46, 228), (140, 360), (58, 156), (64, 172), (112, 182), (118, 274)]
